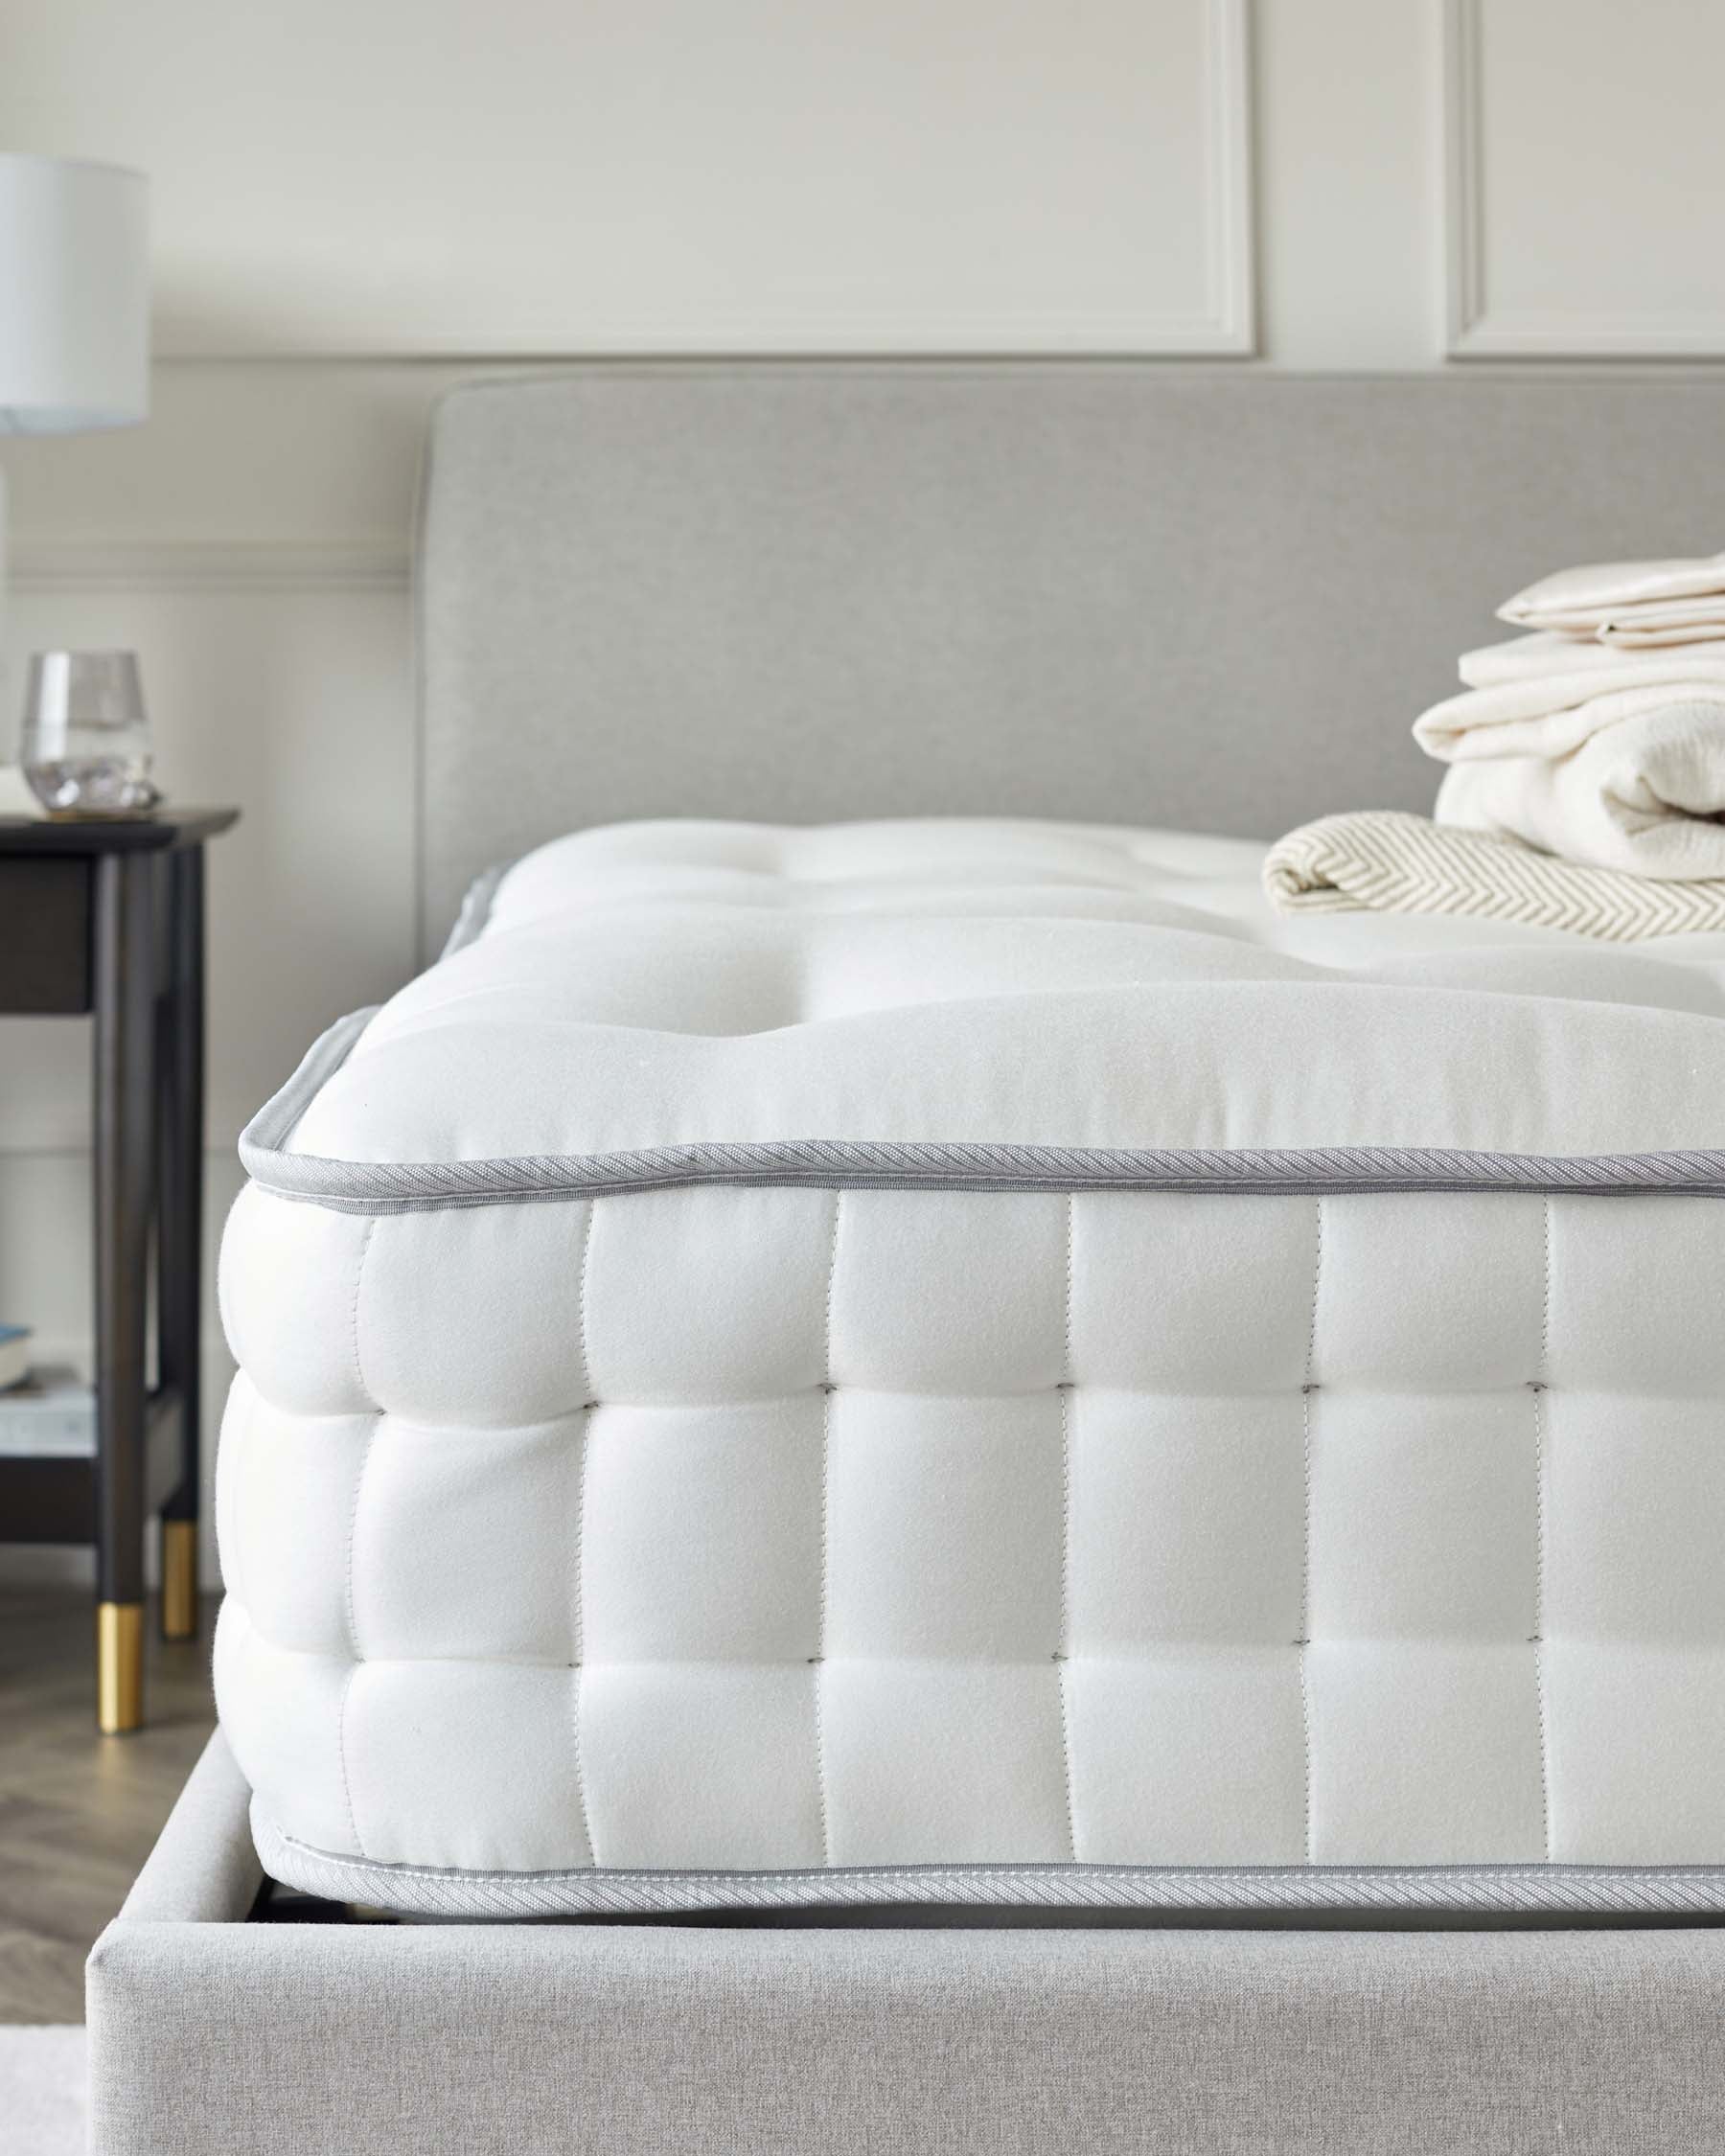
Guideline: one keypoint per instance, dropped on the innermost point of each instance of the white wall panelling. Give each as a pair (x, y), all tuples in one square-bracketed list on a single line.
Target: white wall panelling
[(1225, 324), (1585, 167), (528, 177), (1348, 182)]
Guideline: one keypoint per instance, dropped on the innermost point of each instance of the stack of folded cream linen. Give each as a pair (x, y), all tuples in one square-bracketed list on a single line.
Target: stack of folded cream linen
[(1586, 780)]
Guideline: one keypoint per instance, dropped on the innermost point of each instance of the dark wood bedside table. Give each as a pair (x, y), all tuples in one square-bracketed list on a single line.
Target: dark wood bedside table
[(108, 917)]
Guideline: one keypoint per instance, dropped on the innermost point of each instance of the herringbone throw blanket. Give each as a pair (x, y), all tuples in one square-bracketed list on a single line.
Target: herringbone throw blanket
[(1382, 861)]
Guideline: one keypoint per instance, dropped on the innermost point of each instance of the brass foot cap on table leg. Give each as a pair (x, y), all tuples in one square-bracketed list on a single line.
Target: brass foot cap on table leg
[(119, 1666), (179, 1579)]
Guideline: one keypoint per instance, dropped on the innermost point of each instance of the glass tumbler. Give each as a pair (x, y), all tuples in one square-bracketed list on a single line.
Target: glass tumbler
[(85, 746)]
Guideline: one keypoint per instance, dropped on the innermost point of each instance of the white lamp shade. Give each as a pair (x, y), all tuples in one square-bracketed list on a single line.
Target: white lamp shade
[(74, 296)]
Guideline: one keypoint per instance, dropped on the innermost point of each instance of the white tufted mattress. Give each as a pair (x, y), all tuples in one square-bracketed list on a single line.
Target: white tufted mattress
[(969, 1361)]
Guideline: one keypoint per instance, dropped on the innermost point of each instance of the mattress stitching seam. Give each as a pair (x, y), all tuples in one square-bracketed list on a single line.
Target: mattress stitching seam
[(1307, 1388), (828, 1386), (587, 1404), (1063, 1649), (1540, 1388), (373, 1412)]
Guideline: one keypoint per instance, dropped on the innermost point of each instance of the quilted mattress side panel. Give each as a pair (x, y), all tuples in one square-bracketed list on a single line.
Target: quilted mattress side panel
[(722, 1529)]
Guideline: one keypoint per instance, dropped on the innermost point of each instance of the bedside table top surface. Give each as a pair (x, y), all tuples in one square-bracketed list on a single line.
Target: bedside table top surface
[(173, 827)]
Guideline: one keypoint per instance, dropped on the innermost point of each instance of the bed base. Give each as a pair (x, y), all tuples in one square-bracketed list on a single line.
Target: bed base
[(213, 2035)]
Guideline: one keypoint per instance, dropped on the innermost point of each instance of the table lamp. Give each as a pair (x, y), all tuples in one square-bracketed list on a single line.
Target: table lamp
[(74, 311)]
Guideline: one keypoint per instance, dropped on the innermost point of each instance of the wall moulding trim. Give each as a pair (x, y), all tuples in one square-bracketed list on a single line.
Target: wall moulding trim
[(208, 566), (1473, 329), (1127, 325), (1228, 328)]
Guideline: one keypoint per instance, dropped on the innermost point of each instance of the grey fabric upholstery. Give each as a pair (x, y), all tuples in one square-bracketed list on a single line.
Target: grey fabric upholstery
[(211, 2037), (202, 1870), (1109, 592)]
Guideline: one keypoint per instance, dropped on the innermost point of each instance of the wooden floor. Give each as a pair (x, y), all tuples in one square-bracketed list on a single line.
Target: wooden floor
[(78, 1811)]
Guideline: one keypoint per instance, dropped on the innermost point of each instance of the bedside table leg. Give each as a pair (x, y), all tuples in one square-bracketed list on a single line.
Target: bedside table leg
[(179, 1579), (119, 1668), (179, 1224), (124, 999)]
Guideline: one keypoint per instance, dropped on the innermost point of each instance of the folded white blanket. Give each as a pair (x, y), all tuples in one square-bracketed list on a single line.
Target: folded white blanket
[(1548, 714), (1644, 794), (1546, 655), (1381, 861), (1607, 756), (1633, 604)]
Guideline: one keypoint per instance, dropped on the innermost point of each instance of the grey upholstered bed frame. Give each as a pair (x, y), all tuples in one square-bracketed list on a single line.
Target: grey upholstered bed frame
[(1212, 599), (212, 2036)]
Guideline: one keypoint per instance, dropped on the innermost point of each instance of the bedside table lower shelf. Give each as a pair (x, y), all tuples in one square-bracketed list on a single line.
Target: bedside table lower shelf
[(51, 1496)]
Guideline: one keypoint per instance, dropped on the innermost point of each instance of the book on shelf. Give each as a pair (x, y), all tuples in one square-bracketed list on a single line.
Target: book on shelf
[(14, 1355), (51, 1415)]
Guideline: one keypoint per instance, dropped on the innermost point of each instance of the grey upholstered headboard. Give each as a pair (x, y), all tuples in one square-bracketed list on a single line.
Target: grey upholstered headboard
[(1081, 590)]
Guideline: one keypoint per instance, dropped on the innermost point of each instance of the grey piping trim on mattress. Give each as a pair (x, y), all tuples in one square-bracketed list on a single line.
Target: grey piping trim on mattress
[(426, 1889), (476, 910), (399, 1187)]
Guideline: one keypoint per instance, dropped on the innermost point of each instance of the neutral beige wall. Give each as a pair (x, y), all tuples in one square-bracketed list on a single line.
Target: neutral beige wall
[(359, 201)]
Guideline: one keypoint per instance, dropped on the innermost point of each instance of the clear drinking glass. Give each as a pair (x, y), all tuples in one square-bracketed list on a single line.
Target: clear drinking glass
[(86, 746)]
